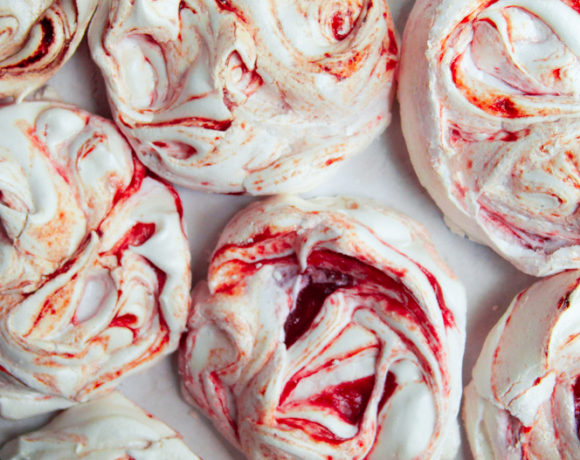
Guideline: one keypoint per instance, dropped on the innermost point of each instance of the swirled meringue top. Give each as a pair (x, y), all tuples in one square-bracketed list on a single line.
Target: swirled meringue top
[(524, 400), (245, 96), (328, 329), (490, 100), (94, 261), (36, 38), (111, 427)]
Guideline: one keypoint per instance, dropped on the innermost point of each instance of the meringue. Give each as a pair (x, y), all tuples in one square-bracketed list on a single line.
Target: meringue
[(37, 37), (327, 329), (524, 400), (109, 427), (244, 96), (94, 260), (490, 107)]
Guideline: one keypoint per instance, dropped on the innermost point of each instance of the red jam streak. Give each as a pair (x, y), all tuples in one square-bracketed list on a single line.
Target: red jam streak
[(127, 321), (309, 302), (371, 281), (160, 275), (448, 318), (234, 270), (177, 150), (349, 399), (526, 239), (574, 4), (135, 236), (393, 49), (157, 348), (42, 50), (226, 5), (194, 122), (577, 404), (457, 135), (388, 390), (314, 430), (263, 239), (500, 106), (505, 107), (139, 174), (338, 27)]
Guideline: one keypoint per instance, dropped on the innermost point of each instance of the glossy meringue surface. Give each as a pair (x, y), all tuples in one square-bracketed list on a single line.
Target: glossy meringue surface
[(327, 328), (36, 38), (94, 260), (111, 427), (524, 400), (490, 109), (245, 96)]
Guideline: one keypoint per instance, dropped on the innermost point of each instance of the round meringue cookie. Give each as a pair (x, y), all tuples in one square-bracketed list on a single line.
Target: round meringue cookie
[(524, 400), (94, 260), (327, 329), (37, 37), (490, 107), (111, 427), (237, 96)]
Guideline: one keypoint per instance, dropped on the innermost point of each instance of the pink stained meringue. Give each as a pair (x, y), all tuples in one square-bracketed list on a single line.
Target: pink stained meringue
[(524, 400), (94, 260), (490, 106), (37, 37), (246, 96), (111, 427), (328, 329)]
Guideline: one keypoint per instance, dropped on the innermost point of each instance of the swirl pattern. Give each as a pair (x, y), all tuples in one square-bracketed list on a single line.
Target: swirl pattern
[(94, 261), (524, 400), (244, 96), (490, 116), (328, 329), (36, 38), (108, 428)]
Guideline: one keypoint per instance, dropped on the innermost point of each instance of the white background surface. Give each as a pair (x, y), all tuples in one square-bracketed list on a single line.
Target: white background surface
[(383, 172)]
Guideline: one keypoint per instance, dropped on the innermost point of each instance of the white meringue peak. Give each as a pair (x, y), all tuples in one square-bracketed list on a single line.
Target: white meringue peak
[(237, 96), (524, 400), (327, 329), (37, 37), (94, 260), (490, 108), (110, 427)]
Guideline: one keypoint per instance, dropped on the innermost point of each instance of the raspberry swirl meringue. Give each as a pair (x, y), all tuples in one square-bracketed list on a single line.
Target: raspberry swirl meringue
[(111, 427), (524, 400), (328, 329), (490, 106), (247, 96), (94, 261), (36, 38)]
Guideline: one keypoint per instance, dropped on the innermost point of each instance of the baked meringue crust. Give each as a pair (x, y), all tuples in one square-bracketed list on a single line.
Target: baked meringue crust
[(37, 37), (94, 260), (328, 328), (243, 96), (103, 429), (490, 108), (524, 400)]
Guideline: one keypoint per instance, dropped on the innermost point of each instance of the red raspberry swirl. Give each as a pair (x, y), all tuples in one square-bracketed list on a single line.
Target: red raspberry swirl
[(36, 39), (491, 109), (233, 96), (327, 329), (94, 261)]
